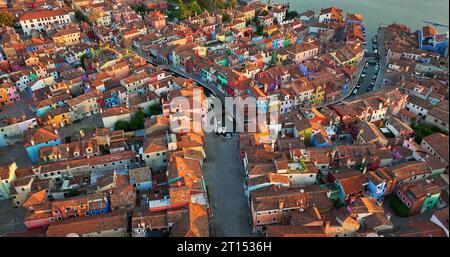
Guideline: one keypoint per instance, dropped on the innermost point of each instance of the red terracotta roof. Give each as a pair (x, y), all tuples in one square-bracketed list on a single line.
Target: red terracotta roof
[(41, 14)]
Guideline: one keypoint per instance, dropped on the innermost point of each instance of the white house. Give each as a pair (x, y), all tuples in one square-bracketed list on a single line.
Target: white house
[(155, 149), (43, 20), (418, 106), (114, 114), (141, 178)]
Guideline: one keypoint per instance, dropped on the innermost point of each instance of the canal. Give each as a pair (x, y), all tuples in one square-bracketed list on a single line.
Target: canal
[(377, 12)]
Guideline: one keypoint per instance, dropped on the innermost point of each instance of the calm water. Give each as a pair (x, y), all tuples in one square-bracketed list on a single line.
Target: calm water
[(376, 12)]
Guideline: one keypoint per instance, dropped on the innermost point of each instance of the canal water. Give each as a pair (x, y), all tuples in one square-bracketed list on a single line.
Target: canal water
[(376, 12)]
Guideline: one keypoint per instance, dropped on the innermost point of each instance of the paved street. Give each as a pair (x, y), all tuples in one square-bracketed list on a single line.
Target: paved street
[(92, 122), (224, 178), (382, 54), (401, 222), (17, 109), (11, 218)]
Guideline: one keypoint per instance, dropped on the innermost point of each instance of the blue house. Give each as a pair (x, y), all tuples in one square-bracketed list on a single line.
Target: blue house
[(319, 140), (378, 183), (256, 39), (44, 106), (98, 208), (262, 104), (344, 88), (304, 70), (430, 40), (111, 99), (38, 138), (84, 39), (275, 44)]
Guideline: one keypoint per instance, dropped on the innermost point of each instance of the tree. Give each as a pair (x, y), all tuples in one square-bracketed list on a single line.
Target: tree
[(422, 130), (259, 30), (138, 121), (73, 193), (122, 125), (183, 10), (226, 17), (195, 8), (80, 17), (231, 3), (6, 19), (218, 4), (204, 4), (291, 15), (155, 109)]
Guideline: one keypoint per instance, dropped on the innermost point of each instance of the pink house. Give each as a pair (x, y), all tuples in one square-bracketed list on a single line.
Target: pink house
[(9, 93)]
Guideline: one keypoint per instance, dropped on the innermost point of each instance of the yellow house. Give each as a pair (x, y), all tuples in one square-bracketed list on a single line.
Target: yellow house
[(282, 56), (200, 50), (67, 37), (181, 41), (318, 95), (239, 25), (221, 37), (80, 3), (59, 117), (270, 29), (249, 12), (31, 60)]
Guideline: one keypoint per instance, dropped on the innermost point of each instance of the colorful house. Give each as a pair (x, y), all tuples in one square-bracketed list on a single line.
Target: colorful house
[(378, 182), (227, 80), (350, 183), (262, 104), (320, 139), (58, 117), (8, 94), (37, 138), (411, 199), (84, 205), (318, 95), (302, 127), (7, 176), (431, 40)]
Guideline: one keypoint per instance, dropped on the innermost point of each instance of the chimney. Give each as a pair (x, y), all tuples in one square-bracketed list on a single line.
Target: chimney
[(281, 204)]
